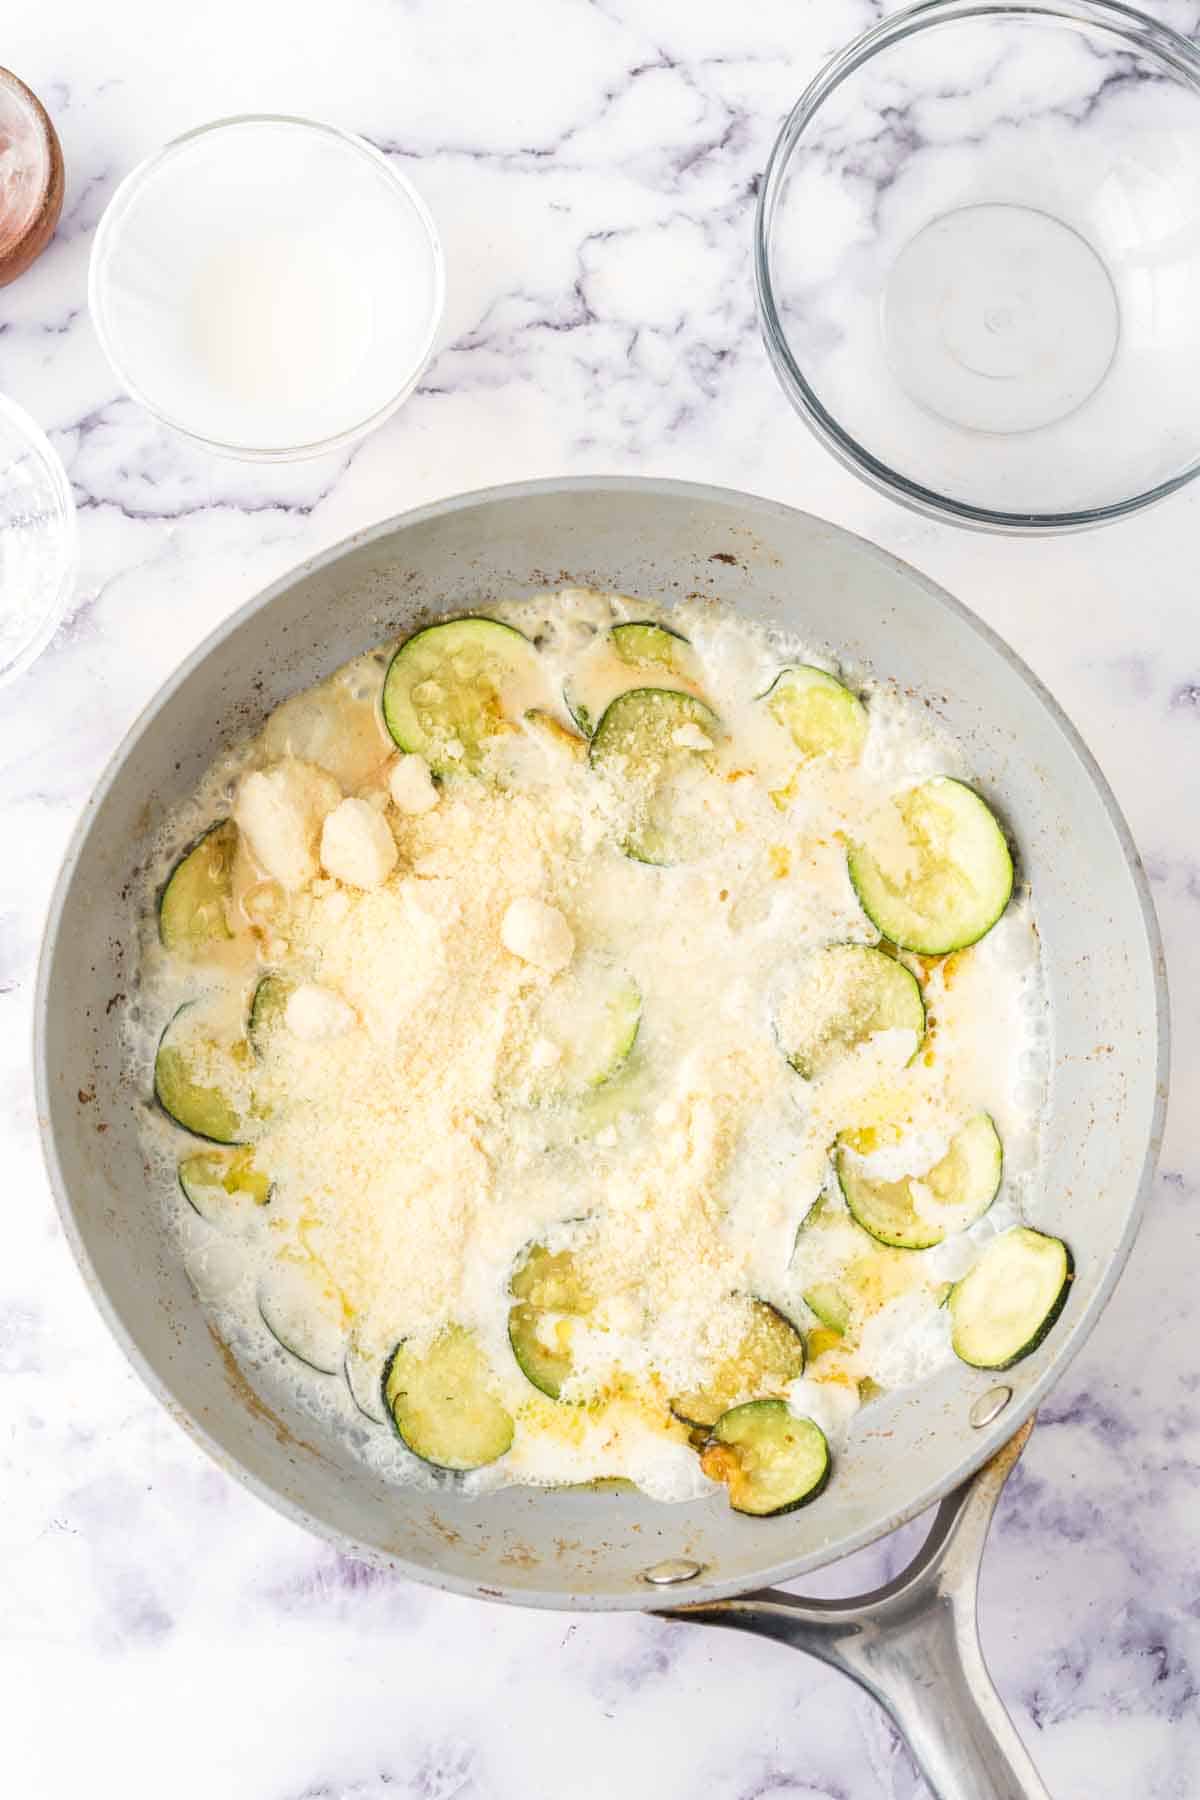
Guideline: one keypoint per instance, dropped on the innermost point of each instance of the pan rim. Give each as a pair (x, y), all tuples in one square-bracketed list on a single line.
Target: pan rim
[(787, 1569)]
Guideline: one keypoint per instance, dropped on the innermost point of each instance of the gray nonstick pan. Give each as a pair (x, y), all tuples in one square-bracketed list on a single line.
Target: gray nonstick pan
[(950, 1441)]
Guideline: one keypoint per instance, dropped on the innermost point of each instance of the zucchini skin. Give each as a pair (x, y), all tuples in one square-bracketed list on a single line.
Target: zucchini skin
[(649, 844), (185, 1190), (902, 981), (715, 1439), (926, 1235), (204, 1136), (291, 1350), (676, 1406), (160, 900), (931, 943), (445, 1468), (808, 675), (269, 998), (1042, 1331), (380, 1418), (586, 706), (1052, 1317), (396, 730)]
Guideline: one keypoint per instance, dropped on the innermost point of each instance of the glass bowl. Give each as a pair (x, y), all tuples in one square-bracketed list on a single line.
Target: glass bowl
[(37, 541), (269, 286), (977, 256)]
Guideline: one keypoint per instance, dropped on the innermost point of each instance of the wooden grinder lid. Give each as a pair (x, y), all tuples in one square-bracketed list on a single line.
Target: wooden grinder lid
[(31, 177)]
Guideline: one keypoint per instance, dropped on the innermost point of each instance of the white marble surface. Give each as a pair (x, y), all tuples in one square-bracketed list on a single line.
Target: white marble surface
[(591, 166)]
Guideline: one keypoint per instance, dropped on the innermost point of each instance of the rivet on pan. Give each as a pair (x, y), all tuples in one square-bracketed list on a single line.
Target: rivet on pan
[(989, 1406), (674, 1569)]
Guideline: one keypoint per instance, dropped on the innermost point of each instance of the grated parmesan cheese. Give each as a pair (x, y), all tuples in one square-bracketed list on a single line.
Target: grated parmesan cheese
[(417, 1125)]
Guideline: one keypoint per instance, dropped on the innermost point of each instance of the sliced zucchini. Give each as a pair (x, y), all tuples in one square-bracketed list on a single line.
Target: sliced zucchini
[(919, 1211), (197, 1076), (873, 1280), (856, 1278), (364, 1378), (626, 657), (659, 742), (822, 716), (443, 1403), (590, 1017), (829, 1303), (842, 997), (1003, 1307), (452, 687), (266, 1011), (934, 872), (640, 642), (303, 1312), (549, 1298), (770, 1461), (192, 907), (226, 1190), (770, 1355), (603, 1107)]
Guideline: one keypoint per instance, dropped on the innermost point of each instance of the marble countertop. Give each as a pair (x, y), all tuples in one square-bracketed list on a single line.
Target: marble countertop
[(591, 164)]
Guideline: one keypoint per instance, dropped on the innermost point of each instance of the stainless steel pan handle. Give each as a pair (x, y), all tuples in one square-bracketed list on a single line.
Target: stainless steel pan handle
[(914, 1645)]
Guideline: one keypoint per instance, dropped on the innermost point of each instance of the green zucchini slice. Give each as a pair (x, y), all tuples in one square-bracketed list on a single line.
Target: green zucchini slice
[(934, 872), (590, 1017), (827, 1300), (225, 1189), (842, 997), (918, 1212), (266, 1011), (1003, 1307), (854, 1276), (628, 656), (364, 1379), (770, 1461), (549, 1298), (642, 742), (640, 642), (452, 687), (192, 907), (443, 1404), (823, 718), (770, 1355), (197, 1076), (303, 1312)]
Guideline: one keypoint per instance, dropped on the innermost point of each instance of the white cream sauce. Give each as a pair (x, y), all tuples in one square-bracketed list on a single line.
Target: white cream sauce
[(718, 1110)]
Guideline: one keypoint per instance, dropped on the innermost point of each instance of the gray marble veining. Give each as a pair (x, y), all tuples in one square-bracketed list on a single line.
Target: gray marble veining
[(592, 168)]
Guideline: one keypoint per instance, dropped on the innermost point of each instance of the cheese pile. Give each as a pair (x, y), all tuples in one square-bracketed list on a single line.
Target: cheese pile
[(411, 1121)]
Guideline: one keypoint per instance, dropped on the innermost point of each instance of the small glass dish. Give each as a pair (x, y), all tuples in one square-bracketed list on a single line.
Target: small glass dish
[(38, 555), (977, 257), (269, 286)]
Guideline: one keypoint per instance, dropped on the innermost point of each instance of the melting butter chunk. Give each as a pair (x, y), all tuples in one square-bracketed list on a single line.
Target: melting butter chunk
[(538, 934), (411, 785), (357, 845), (280, 810)]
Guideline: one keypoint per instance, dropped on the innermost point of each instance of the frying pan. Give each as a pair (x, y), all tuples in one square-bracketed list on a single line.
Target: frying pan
[(952, 1440)]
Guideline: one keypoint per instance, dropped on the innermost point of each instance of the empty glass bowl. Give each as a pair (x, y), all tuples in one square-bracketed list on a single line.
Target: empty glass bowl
[(37, 540), (978, 260)]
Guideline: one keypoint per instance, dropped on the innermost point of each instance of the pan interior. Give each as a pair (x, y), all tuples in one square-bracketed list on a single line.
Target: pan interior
[(654, 539)]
